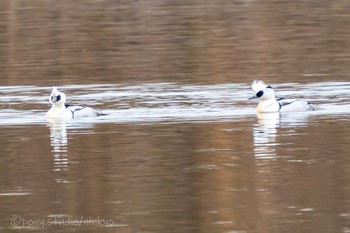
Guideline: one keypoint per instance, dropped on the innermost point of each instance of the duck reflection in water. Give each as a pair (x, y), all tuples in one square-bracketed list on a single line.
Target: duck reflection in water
[(264, 133), (59, 144), (267, 129)]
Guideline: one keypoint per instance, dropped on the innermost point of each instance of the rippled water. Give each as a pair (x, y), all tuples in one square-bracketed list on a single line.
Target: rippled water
[(167, 156), (178, 147), (157, 102)]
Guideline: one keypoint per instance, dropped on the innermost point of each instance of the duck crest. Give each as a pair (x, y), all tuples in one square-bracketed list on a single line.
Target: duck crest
[(258, 85)]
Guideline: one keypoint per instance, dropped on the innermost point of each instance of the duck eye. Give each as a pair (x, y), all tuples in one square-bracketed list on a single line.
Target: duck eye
[(259, 94), (55, 98)]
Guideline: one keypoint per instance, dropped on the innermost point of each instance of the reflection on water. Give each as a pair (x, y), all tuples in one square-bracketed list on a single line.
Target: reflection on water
[(167, 157), (178, 41), (179, 148), (266, 130), (265, 135), (59, 143)]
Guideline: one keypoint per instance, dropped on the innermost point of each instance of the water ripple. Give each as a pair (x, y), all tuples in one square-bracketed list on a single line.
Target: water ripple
[(164, 101)]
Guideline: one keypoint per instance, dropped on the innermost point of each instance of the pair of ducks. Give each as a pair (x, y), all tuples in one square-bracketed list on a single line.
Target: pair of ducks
[(268, 103)]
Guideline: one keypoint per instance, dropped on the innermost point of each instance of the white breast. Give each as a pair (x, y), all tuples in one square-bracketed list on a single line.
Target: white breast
[(268, 106), (56, 112)]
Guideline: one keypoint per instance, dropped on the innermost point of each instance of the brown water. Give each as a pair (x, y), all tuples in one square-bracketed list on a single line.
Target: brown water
[(179, 148)]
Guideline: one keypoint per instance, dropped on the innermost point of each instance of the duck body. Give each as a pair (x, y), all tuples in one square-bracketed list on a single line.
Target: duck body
[(60, 109), (268, 102)]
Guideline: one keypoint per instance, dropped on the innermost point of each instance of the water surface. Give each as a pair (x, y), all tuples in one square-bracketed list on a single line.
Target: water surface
[(178, 146), (166, 157)]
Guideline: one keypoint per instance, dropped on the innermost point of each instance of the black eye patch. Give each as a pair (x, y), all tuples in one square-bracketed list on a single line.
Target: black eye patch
[(55, 99), (259, 94)]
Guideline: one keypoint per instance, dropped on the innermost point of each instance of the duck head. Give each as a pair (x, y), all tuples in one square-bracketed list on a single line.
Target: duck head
[(262, 90), (57, 98)]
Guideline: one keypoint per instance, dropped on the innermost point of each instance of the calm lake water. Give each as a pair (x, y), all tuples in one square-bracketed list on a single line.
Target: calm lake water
[(178, 146)]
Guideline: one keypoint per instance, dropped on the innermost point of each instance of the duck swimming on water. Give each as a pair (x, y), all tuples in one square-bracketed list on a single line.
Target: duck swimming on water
[(60, 109), (269, 103)]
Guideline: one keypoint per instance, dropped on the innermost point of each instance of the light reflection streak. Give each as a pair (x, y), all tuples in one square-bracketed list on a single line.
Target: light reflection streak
[(59, 144), (264, 133)]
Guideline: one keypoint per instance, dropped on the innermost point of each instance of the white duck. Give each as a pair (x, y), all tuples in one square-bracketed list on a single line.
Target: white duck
[(60, 109), (269, 103)]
